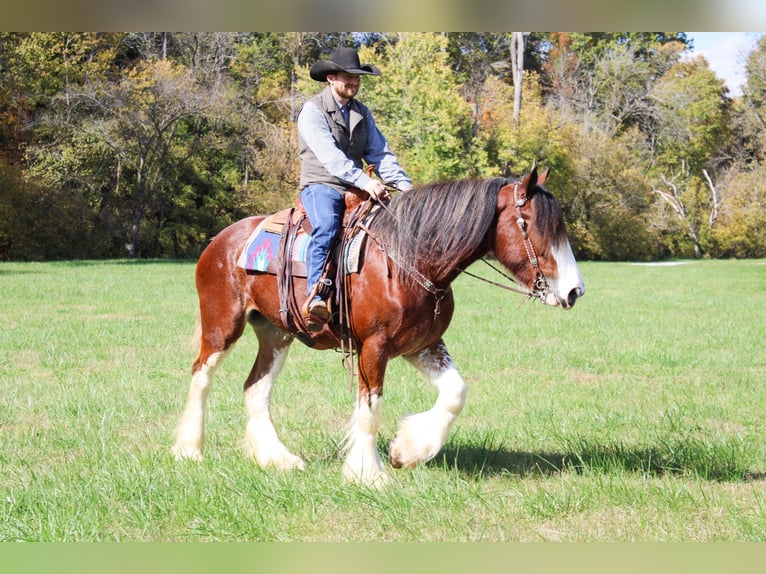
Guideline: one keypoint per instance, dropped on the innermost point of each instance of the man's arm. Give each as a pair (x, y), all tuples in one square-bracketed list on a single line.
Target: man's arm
[(378, 153)]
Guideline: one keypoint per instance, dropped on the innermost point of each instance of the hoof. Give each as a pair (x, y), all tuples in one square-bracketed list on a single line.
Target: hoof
[(371, 478), (186, 453)]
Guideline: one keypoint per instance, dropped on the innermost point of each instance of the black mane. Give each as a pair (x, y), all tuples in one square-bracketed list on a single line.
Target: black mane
[(549, 219)]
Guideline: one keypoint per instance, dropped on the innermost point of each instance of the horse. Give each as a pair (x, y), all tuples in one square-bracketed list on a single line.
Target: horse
[(401, 304)]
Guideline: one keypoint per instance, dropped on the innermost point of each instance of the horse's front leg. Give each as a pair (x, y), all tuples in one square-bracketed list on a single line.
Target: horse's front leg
[(421, 436), (363, 464)]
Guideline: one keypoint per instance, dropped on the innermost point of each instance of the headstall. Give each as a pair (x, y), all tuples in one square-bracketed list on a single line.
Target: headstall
[(540, 285)]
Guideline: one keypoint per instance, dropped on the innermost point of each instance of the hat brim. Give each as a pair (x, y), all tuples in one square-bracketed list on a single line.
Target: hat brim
[(321, 68)]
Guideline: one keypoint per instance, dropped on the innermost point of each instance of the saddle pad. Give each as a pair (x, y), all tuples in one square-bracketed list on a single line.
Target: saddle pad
[(353, 255), (261, 250)]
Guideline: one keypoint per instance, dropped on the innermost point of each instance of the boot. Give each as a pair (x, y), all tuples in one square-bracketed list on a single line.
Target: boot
[(315, 311)]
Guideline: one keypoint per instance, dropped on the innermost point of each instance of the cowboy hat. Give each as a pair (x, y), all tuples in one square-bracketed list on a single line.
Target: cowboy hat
[(341, 60)]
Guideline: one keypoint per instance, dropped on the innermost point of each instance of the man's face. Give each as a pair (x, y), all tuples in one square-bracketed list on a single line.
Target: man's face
[(345, 86)]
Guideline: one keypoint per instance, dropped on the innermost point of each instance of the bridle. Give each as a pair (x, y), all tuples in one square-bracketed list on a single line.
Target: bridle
[(540, 284), (540, 287)]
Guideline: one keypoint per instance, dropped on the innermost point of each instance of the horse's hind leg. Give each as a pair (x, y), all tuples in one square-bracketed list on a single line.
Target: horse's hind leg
[(421, 436), (190, 433), (261, 440)]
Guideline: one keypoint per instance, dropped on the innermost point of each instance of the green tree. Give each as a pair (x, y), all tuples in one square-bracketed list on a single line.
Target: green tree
[(140, 125), (693, 131), (420, 109), (693, 116), (741, 228), (605, 79), (754, 102)]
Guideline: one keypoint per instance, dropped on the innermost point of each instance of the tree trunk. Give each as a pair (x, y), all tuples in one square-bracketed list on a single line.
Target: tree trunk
[(132, 245), (138, 212), (517, 66)]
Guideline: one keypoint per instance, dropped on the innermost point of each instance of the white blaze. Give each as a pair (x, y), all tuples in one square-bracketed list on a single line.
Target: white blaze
[(568, 278)]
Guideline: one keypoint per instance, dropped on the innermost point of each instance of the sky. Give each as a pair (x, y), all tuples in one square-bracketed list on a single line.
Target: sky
[(727, 53)]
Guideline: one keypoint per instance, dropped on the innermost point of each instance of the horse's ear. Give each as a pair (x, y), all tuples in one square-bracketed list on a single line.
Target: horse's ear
[(530, 181), (543, 176)]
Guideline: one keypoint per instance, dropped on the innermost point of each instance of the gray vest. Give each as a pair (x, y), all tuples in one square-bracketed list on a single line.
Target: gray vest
[(350, 141)]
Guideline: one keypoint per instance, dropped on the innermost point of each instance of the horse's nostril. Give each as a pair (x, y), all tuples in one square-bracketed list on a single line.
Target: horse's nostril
[(573, 295)]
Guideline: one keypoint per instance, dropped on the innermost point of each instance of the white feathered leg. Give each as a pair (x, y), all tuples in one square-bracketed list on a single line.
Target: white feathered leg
[(363, 464), (261, 440), (421, 436), (190, 433)]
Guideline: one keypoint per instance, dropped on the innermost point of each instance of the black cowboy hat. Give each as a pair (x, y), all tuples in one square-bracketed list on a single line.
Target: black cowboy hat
[(341, 60)]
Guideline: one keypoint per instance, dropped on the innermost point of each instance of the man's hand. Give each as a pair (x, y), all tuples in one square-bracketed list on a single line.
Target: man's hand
[(376, 189)]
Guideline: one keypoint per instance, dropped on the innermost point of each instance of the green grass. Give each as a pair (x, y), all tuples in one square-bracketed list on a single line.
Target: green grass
[(638, 415)]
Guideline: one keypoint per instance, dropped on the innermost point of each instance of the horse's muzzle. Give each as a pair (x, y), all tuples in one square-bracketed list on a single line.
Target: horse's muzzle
[(574, 294)]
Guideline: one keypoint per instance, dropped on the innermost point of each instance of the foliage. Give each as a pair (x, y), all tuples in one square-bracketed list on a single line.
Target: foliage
[(513, 147), (693, 116), (419, 108), (154, 141), (741, 229), (611, 198)]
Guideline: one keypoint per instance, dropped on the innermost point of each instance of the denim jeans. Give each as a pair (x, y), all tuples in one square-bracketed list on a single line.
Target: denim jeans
[(324, 207)]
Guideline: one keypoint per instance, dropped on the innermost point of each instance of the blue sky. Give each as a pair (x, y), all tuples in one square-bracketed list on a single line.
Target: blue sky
[(727, 53)]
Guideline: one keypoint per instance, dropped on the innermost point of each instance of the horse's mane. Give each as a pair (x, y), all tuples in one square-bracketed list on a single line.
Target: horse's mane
[(549, 218), (438, 225)]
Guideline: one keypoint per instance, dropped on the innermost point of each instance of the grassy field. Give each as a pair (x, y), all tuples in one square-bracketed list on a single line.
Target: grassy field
[(640, 415)]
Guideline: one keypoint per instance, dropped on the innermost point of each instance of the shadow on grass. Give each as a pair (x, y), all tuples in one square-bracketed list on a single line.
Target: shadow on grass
[(725, 462)]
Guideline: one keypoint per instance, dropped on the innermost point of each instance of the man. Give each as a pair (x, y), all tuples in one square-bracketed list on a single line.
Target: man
[(335, 133)]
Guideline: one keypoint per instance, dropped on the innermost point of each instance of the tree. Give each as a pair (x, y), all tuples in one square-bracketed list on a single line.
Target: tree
[(137, 122), (605, 79), (754, 101), (420, 109), (741, 223), (693, 129), (158, 140), (684, 195), (693, 116)]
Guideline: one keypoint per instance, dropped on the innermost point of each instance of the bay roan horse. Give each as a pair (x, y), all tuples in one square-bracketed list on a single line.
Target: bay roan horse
[(401, 305)]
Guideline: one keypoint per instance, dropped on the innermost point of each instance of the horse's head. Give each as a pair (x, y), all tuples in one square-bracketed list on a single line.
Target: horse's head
[(531, 241)]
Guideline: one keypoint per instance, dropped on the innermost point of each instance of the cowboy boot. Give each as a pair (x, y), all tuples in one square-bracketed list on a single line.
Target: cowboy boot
[(315, 311)]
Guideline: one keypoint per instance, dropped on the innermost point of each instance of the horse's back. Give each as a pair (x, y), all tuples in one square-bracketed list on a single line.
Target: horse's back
[(219, 259), (228, 242)]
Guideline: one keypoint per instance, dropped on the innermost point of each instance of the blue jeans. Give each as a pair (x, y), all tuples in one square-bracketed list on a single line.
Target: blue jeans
[(325, 207)]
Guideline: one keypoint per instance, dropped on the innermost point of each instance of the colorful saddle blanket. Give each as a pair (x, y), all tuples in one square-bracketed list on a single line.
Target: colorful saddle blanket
[(261, 251)]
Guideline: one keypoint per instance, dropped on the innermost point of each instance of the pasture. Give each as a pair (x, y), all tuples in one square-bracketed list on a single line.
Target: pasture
[(640, 415)]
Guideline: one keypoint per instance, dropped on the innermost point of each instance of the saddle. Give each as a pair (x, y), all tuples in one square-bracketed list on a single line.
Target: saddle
[(279, 246)]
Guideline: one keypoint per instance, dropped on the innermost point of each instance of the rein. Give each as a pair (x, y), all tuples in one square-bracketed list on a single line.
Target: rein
[(528, 293)]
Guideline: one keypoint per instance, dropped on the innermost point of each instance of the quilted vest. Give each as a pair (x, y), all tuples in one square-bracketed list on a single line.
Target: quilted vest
[(351, 142)]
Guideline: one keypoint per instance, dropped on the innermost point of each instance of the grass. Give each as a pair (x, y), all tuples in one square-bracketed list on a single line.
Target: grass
[(638, 415)]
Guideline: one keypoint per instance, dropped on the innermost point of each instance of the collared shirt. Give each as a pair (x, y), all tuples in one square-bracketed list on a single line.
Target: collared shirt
[(344, 110), (312, 125)]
